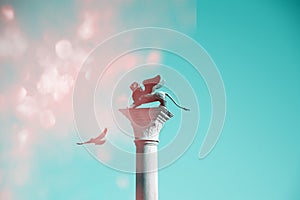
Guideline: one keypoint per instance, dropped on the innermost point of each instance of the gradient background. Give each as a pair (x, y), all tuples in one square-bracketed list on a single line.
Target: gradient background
[(256, 46)]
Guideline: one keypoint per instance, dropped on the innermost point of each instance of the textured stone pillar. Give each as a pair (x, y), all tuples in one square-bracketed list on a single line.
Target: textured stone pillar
[(146, 124)]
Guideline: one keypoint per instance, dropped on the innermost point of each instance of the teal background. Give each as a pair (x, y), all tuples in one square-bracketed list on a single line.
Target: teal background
[(256, 46)]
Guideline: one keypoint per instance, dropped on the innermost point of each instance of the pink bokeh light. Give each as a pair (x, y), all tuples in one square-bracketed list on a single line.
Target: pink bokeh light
[(12, 43), (23, 136), (8, 12), (104, 156), (63, 49), (27, 107), (44, 69), (88, 27), (154, 57), (47, 119), (122, 182), (58, 86), (6, 194)]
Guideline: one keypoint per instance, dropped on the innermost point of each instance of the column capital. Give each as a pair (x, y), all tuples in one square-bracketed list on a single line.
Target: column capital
[(147, 122)]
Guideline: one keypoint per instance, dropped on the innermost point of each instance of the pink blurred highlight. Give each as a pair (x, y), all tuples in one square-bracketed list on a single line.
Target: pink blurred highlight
[(22, 144), (35, 108), (123, 100), (97, 20), (104, 154), (21, 94), (8, 13), (88, 27), (63, 49), (2, 103), (6, 194), (27, 107), (20, 153), (58, 86), (128, 62), (122, 182), (12, 43), (23, 137), (121, 66), (21, 174), (47, 119), (154, 57)]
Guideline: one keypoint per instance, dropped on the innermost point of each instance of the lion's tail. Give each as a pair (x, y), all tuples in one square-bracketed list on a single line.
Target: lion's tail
[(186, 109)]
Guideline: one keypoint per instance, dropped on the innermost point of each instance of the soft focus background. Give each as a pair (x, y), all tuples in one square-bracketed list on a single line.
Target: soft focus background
[(256, 46)]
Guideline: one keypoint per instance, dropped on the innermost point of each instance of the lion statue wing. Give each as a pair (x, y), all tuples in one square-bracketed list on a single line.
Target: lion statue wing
[(152, 84)]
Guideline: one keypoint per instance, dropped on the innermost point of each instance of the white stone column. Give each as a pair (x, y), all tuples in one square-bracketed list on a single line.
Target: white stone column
[(146, 124)]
